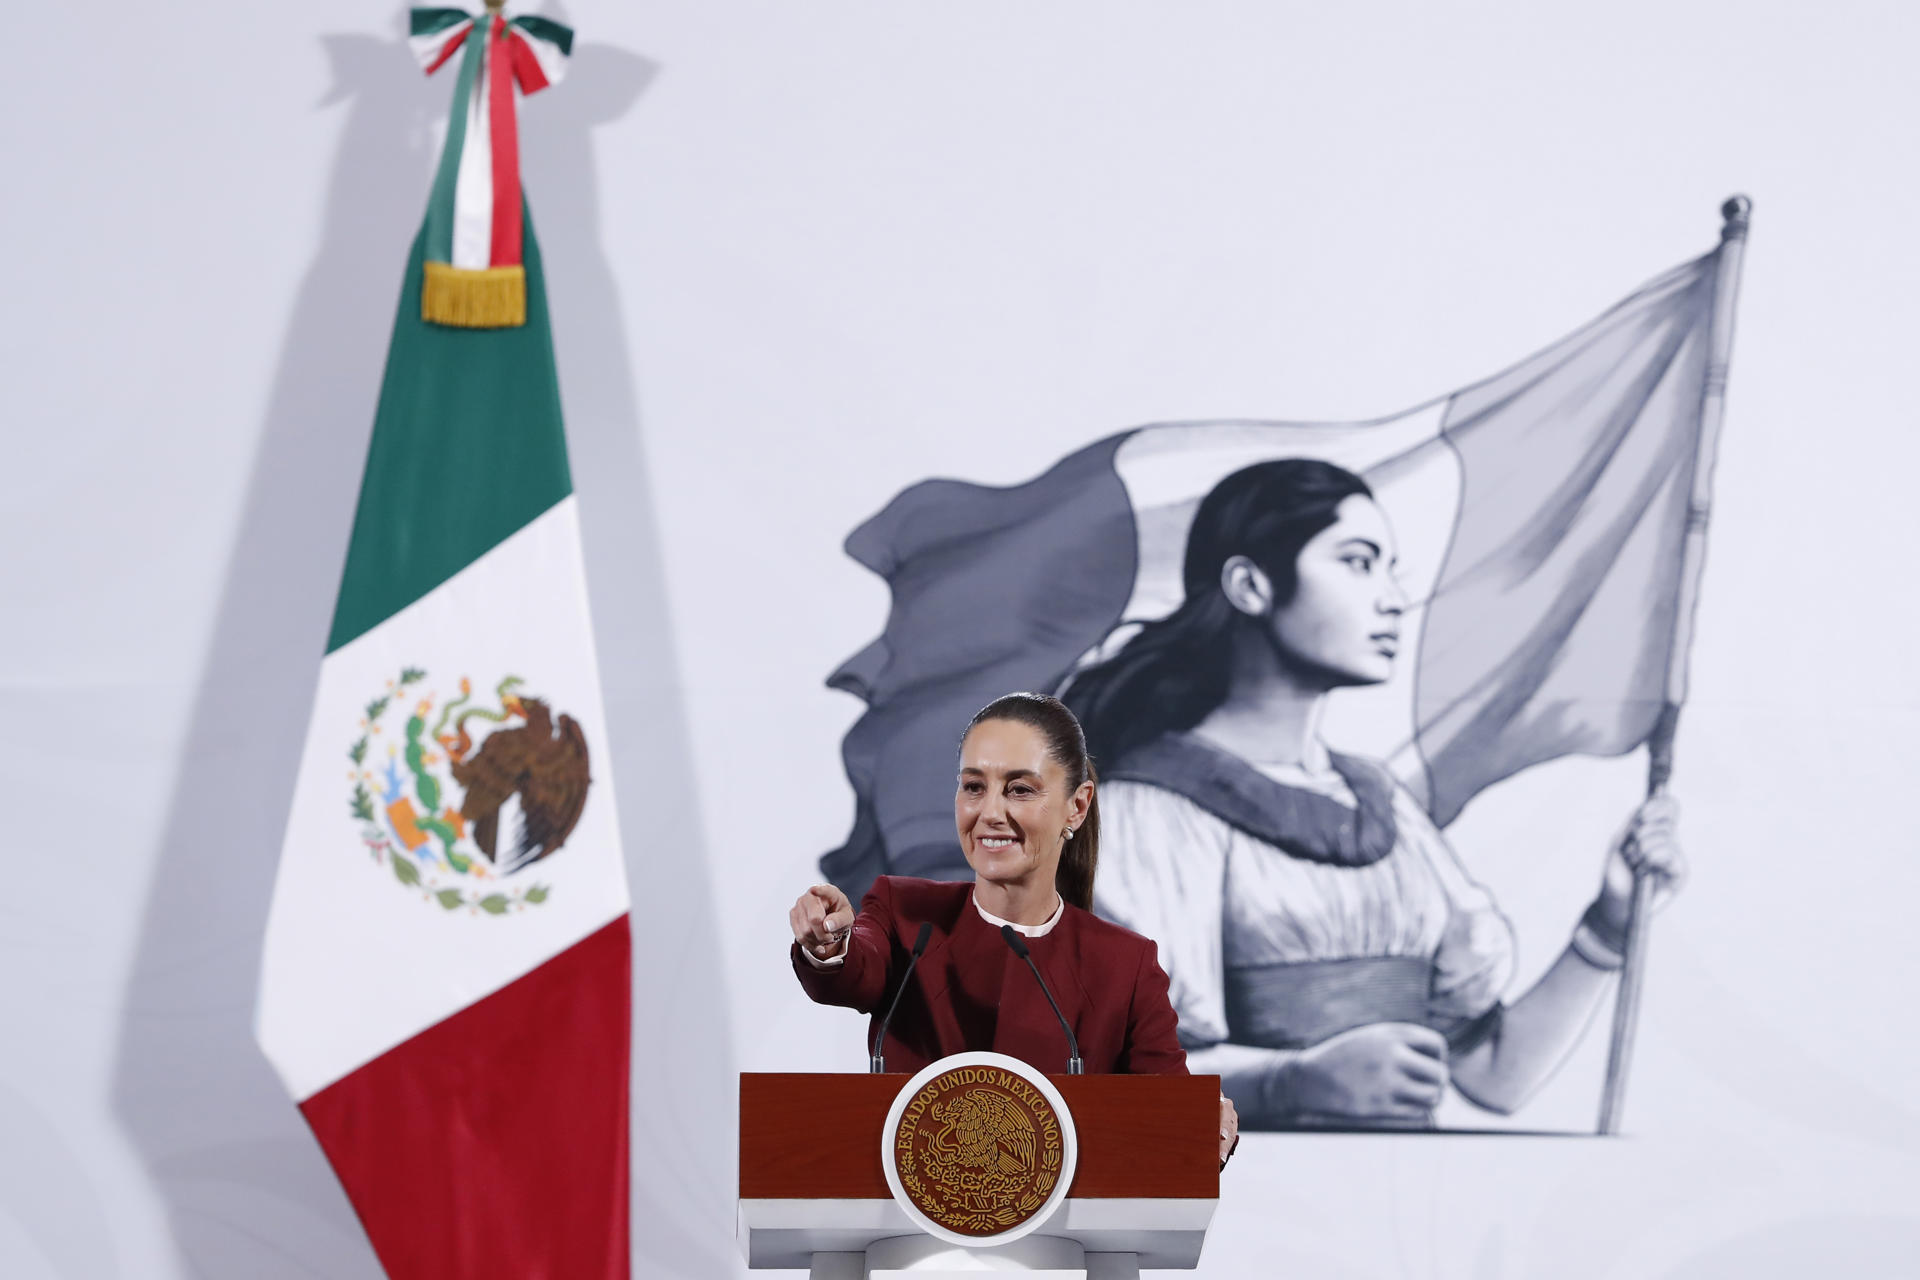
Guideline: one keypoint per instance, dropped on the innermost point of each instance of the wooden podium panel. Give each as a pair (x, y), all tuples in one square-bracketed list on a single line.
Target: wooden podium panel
[(815, 1136)]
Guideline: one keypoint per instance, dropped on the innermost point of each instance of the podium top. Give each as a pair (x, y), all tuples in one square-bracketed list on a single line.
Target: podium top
[(817, 1136)]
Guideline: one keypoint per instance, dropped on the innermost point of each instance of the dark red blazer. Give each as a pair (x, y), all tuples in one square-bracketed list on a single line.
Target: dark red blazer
[(971, 992)]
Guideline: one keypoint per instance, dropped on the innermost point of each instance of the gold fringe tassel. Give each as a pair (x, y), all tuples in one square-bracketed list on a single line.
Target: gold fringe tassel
[(469, 298)]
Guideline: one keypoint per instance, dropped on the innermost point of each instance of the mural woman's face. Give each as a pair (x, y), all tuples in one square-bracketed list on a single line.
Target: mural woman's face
[(1012, 803), (1342, 626)]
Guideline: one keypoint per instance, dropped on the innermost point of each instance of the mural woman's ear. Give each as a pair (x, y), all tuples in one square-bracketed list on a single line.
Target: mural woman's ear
[(1246, 586)]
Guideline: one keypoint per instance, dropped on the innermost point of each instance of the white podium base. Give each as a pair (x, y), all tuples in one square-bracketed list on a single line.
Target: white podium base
[(833, 1236), (921, 1257)]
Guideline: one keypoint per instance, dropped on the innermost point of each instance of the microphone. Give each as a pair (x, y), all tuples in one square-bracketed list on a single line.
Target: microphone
[(1019, 944), (877, 1061)]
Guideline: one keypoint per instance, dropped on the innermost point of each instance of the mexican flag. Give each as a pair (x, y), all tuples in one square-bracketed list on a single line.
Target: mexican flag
[(445, 988)]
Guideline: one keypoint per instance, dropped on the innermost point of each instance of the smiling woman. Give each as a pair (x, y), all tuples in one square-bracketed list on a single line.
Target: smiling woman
[(1027, 815), (1025, 776)]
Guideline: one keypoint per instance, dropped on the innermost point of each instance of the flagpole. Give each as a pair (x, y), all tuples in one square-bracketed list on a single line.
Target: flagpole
[(1736, 214)]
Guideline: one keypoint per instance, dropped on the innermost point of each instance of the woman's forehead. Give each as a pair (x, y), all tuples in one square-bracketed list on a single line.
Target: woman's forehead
[(1358, 517), (998, 747)]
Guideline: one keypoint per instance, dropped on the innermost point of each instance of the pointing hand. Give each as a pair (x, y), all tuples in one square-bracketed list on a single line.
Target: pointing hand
[(820, 919)]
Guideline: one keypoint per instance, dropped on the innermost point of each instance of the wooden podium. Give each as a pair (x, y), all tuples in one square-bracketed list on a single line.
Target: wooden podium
[(814, 1190)]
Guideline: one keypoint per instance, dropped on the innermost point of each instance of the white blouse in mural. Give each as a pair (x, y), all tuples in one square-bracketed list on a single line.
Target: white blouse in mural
[(1215, 898)]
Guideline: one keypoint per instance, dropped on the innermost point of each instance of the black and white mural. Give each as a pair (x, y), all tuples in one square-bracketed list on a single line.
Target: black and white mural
[(1300, 650)]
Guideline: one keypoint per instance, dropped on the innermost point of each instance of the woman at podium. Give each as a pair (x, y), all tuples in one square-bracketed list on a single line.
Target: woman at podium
[(1028, 820)]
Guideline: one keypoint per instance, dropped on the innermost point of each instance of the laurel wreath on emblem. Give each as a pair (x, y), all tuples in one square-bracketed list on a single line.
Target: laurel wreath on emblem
[(520, 772)]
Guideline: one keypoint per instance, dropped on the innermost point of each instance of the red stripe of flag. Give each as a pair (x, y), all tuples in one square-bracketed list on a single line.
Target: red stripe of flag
[(446, 50), (493, 1145), (526, 67), (506, 148)]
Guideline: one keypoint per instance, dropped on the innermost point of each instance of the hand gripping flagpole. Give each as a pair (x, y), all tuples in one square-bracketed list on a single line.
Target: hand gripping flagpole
[(1736, 214)]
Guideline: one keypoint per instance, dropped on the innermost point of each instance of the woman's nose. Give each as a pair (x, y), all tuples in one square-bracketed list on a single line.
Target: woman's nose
[(1394, 599)]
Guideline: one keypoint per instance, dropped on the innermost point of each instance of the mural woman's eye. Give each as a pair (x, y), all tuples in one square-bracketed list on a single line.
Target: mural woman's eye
[(1360, 564)]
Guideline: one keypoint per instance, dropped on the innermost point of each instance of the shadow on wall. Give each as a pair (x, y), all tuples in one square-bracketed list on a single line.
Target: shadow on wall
[(684, 1089), (246, 1189)]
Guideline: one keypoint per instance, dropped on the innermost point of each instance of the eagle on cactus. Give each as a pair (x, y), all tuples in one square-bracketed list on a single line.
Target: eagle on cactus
[(536, 768)]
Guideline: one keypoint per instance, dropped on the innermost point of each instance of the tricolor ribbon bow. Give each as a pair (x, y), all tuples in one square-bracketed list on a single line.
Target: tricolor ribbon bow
[(475, 275)]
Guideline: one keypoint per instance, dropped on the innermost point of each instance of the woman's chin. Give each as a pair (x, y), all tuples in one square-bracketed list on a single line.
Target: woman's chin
[(1343, 670), (1363, 674), (998, 865)]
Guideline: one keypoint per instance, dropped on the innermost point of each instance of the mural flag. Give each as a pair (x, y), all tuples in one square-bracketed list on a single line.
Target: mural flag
[(1541, 516), (445, 983)]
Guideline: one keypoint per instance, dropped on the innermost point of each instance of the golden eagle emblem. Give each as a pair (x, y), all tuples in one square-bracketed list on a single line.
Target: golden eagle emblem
[(544, 768), (984, 1130)]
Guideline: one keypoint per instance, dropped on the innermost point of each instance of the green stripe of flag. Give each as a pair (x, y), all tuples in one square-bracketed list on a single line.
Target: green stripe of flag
[(547, 29), (440, 203), (468, 447), (424, 22)]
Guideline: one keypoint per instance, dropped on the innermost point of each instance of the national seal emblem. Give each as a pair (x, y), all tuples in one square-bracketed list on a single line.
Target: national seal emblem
[(980, 1149)]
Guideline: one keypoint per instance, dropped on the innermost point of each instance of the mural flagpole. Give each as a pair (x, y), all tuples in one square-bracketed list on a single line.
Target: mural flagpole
[(1736, 214)]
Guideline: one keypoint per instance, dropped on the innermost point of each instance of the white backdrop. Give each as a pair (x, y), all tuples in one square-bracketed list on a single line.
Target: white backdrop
[(805, 254)]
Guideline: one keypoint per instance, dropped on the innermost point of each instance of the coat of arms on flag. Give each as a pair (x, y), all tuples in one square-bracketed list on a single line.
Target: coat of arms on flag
[(1498, 578), (465, 794)]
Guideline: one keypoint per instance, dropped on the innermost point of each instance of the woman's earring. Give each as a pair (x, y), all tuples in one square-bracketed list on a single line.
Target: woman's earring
[(1069, 833)]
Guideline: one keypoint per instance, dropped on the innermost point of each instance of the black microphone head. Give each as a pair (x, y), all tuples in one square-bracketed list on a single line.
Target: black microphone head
[(920, 942), (1014, 940)]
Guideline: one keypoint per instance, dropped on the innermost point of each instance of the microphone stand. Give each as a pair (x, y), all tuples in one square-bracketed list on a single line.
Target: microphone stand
[(877, 1060), (1019, 944)]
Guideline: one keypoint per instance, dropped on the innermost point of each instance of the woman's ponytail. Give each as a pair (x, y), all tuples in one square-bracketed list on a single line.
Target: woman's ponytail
[(1166, 679), (1081, 858)]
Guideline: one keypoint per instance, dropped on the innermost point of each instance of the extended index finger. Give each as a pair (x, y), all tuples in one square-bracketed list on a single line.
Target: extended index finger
[(830, 895), (812, 910)]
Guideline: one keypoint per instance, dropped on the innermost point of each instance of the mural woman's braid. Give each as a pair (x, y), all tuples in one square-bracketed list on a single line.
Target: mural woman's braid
[(1080, 856)]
